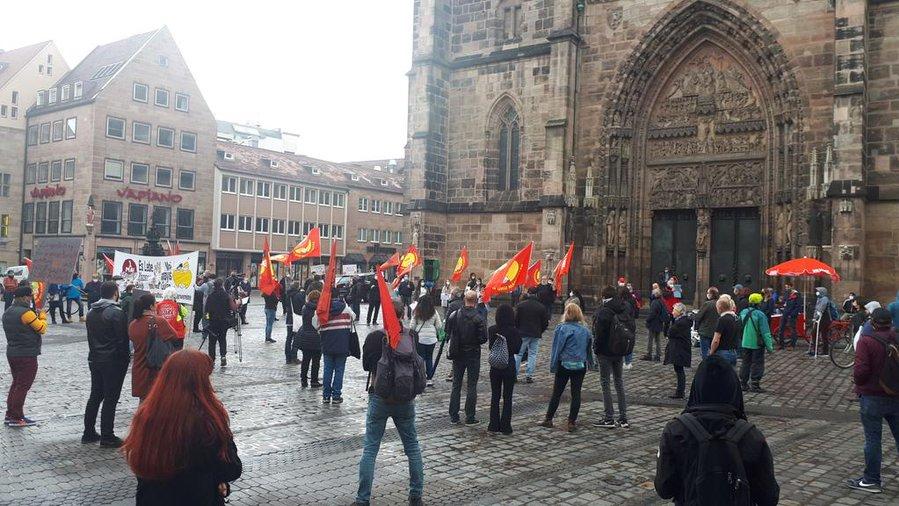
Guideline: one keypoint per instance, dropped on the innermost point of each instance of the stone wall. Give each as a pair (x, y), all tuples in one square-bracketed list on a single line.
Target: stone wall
[(491, 239)]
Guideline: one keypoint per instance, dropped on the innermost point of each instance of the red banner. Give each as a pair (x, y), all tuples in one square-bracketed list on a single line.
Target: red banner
[(533, 278), (461, 265), (267, 282), (323, 309), (388, 314), (563, 267), (509, 275), (310, 246)]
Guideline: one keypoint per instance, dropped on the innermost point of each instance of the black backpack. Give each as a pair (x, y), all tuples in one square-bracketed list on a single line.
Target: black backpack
[(621, 337), (720, 477), (401, 372), (889, 375)]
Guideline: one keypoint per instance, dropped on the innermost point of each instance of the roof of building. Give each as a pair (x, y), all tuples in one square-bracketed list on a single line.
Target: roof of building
[(12, 61), (373, 174), (98, 68), (229, 129), (289, 167)]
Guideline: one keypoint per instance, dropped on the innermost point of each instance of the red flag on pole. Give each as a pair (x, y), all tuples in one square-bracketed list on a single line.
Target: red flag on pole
[(109, 264), (388, 314), (324, 301), (267, 282), (461, 265), (408, 262), (393, 261), (28, 262), (310, 246), (563, 267), (533, 278), (509, 275)]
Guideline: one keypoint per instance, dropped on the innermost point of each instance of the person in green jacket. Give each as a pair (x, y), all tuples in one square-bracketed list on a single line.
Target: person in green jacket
[(756, 339)]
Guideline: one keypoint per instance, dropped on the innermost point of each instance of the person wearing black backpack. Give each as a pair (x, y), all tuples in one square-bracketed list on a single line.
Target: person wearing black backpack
[(874, 372), (468, 332), (380, 409), (502, 380), (710, 454), (614, 331)]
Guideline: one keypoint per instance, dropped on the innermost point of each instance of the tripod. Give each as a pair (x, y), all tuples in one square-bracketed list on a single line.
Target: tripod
[(238, 333)]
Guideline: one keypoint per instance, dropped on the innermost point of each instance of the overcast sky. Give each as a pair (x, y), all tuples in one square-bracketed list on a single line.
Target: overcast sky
[(332, 71)]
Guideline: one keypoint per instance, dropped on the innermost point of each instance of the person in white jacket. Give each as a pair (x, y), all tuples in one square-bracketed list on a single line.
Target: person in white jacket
[(426, 324)]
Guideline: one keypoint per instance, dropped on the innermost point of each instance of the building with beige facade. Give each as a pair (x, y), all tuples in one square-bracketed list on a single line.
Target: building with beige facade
[(122, 142), (23, 72)]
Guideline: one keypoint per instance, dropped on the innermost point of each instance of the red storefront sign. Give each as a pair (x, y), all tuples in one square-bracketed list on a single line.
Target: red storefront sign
[(148, 195), (48, 192)]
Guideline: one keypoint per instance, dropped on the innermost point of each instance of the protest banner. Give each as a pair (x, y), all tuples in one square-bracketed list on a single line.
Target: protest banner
[(156, 274), (53, 260)]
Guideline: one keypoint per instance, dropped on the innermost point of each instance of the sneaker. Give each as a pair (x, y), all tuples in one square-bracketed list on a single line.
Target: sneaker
[(757, 389), (270, 340), (315, 384), (224, 362), (326, 400), (572, 426), (88, 438), (676, 396), (744, 387), (861, 484), (627, 367), (111, 442), (529, 380), (646, 358), (337, 400), (608, 423), (623, 424), (23, 422), (455, 421), (472, 421), (547, 422), (430, 383), (415, 501), (304, 383)]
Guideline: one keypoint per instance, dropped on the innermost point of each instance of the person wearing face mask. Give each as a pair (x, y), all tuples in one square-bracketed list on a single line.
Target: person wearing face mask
[(679, 350), (707, 320)]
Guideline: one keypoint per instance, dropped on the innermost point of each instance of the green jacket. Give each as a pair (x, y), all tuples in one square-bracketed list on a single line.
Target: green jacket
[(753, 325)]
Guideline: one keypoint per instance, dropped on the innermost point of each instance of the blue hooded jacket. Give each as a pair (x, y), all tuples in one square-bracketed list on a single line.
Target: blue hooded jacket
[(893, 308)]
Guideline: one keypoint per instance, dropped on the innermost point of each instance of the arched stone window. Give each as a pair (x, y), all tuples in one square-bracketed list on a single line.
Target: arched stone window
[(509, 147)]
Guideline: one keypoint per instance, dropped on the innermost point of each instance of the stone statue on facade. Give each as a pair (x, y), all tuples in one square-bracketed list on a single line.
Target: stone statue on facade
[(622, 229), (610, 227), (702, 231)]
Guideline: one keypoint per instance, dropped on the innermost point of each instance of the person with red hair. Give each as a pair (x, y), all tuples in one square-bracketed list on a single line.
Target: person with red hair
[(180, 446)]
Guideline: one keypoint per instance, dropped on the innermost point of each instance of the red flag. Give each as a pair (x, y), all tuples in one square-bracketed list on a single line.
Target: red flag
[(324, 301), (267, 282), (393, 261), (388, 314), (408, 262), (27, 263), (533, 278), (106, 260), (563, 267), (177, 248), (310, 246), (461, 265), (282, 258), (509, 275)]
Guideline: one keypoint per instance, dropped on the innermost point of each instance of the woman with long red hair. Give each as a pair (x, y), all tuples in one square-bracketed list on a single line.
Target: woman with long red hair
[(180, 446)]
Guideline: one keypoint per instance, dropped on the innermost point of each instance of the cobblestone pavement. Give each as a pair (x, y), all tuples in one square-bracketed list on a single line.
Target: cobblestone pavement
[(297, 451)]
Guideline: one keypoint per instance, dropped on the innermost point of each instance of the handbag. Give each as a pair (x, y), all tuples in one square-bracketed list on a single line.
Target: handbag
[(157, 349), (354, 343)]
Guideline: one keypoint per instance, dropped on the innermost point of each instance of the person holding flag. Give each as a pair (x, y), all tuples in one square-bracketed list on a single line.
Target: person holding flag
[(334, 321)]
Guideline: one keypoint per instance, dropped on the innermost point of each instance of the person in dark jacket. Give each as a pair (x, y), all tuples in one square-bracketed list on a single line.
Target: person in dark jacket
[(875, 405), (656, 321), (92, 289), (610, 364), (716, 402), (271, 313), (220, 307), (23, 329), (242, 290), (55, 296), (679, 350), (502, 381), (405, 290), (308, 341), (180, 446), (707, 320), (568, 361), (335, 337), (468, 331), (199, 295), (532, 320), (791, 310), (108, 358), (293, 301), (741, 297), (355, 295), (546, 294), (374, 305)]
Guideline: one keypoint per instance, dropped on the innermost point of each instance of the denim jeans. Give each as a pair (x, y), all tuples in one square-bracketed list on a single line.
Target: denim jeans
[(473, 366), (290, 353), (426, 352), (532, 345), (333, 376), (80, 307), (654, 339), (270, 315), (874, 410), (705, 344), (403, 415), (753, 366), (729, 355), (612, 366)]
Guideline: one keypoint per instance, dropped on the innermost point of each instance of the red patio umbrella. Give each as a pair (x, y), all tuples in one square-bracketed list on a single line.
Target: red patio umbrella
[(803, 267)]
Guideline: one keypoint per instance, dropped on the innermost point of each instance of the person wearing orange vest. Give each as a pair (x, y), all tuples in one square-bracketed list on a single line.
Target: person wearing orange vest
[(171, 311)]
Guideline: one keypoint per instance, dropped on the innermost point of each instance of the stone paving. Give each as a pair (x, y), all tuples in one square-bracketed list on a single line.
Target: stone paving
[(297, 451)]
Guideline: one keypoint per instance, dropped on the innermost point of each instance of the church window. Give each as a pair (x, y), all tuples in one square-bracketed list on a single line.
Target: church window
[(511, 22), (509, 150)]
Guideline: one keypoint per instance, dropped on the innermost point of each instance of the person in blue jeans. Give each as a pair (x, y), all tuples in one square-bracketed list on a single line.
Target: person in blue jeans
[(379, 410), (76, 290), (335, 338), (875, 405), (531, 320), (271, 314), (726, 336)]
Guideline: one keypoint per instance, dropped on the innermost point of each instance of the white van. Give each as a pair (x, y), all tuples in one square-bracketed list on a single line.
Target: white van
[(19, 272)]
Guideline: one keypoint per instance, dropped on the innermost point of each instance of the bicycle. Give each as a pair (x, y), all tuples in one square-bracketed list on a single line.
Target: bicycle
[(839, 340)]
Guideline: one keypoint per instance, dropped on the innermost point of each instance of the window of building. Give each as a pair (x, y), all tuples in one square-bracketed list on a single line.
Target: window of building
[(277, 226), (373, 235), (385, 237), (164, 177), (77, 89), (137, 220), (71, 127), (337, 231), (296, 194), (140, 174), (2, 111), (185, 229), (399, 208), (363, 204), (162, 220), (45, 133), (339, 200), (57, 130), (140, 92), (262, 225), (28, 218), (227, 222), (398, 238), (43, 172), (65, 93), (229, 184), (140, 132), (293, 227), (40, 69), (162, 60), (32, 135), (307, 227), (40, 218), (49, 70), (65, 220), (4, 225), (509, 145), (111, 218), (324, 198), (165, 137), (51, 96), (281, 191), (376, 206), (511, 22), (189, 142), (186, 179), (325, 230), (15, 97), (68, 170), (245, 223), (246, 186), (4, 184), (115, 127), (56, 171), (263, 189), (361, 235), (13, 112), (182, 102), (114, 170), (30, 173), (161, 97), (311, 195)]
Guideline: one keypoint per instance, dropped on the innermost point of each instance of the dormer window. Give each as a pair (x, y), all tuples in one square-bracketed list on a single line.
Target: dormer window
[(383, 182), (378, 168), (52, 99), (354, 177), (228, 156), (66, 91), (77, 88), (316, 171)]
